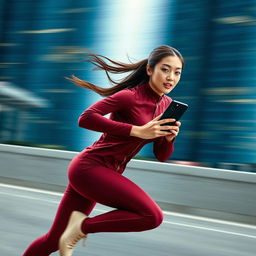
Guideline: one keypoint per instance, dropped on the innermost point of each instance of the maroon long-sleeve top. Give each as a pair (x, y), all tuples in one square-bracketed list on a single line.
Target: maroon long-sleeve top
[(128, 107)]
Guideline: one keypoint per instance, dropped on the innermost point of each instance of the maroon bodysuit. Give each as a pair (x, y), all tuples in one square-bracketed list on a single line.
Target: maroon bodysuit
[(95, 174), (134, 106)]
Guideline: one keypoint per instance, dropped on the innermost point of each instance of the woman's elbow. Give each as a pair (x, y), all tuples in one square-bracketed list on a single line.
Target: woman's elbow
[(83, 120), (161, 159), (163, 156)]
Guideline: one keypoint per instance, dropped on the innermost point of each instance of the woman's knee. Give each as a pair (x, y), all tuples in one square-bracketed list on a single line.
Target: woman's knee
[(154, 219)]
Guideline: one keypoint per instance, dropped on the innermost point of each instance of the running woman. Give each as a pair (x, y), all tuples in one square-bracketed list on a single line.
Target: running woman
[(95, 175)]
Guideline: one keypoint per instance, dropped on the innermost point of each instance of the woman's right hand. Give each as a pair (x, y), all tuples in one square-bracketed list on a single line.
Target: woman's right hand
[(152, 129)]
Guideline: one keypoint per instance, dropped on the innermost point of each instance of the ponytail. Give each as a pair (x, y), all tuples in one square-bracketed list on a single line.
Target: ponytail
[(137, 76)]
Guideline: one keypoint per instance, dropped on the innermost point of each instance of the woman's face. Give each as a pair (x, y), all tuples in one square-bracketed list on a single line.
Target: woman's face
[(165, 75)]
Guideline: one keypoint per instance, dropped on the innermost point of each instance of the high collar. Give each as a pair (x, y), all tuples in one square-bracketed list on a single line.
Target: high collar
[(152, 93)]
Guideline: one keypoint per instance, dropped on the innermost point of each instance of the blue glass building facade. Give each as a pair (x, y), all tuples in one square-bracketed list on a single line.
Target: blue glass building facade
[(43, 41), (220, 42)]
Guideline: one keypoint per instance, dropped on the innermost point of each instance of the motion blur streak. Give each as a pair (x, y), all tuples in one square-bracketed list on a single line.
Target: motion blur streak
[(41, 42)]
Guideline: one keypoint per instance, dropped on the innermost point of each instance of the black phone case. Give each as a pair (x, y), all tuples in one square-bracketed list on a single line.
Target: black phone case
[(175, 110)]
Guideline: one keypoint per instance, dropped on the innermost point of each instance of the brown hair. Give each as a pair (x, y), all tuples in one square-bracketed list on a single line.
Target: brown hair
[(138, 73)]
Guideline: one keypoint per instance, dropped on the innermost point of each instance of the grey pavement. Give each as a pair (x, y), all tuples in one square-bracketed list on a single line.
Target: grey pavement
[(27, 214)]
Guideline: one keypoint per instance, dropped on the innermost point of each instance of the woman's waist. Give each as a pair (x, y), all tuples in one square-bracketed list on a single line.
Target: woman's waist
[(113, 148), (111, 157)]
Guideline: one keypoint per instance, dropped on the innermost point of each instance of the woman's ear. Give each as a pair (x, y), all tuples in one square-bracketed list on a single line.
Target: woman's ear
[(149, 71)]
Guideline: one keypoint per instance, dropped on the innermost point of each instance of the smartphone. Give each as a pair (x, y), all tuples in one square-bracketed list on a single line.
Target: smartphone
[(175, 110)]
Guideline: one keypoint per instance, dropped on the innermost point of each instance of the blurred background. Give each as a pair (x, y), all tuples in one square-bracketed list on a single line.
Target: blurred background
[(41, 42)]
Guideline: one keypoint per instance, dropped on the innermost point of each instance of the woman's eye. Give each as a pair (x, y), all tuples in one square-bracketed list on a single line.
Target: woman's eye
[(178, 73), (165, 70)]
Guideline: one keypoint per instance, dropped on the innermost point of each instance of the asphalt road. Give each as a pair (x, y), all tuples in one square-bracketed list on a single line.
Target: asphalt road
[(27, 214)]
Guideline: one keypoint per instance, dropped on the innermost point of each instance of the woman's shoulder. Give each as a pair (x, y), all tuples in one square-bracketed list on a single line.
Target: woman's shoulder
[(127, 92), (124, 95)]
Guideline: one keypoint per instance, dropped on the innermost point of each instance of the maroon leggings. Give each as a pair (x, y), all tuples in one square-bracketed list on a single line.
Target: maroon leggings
[(89, 183)]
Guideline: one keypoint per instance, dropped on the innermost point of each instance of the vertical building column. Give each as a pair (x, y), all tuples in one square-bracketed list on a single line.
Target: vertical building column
[(191, 26), (229, 111)]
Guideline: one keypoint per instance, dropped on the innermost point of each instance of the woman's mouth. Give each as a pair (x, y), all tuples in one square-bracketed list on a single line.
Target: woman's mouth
[(167, 85)]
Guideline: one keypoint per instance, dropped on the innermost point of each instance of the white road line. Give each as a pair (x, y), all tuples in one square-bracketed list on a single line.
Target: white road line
[(41, 191), (225, 222), (167, 222), (31, 189), (211, 229), (30, 197)]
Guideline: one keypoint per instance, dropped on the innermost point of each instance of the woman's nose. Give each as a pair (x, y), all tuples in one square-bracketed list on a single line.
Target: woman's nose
[(170, 77)]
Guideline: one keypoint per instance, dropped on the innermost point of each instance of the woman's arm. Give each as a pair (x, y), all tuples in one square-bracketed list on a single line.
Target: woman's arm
[(163, 148), (93, 117)]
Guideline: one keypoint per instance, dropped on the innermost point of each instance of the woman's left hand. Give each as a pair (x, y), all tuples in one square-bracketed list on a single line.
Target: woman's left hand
[(175, 131)]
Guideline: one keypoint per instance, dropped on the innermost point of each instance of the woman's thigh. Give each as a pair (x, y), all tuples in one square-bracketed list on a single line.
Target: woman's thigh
[(108, 187)]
